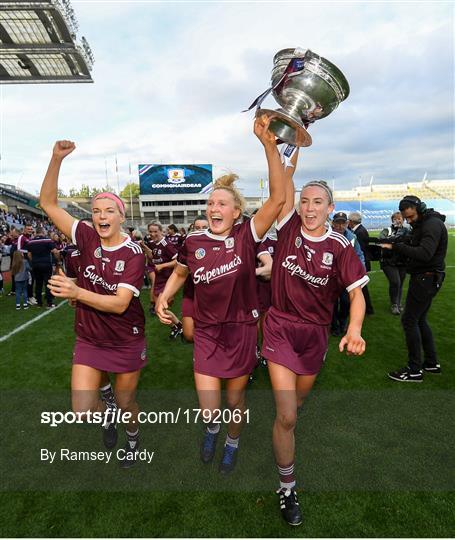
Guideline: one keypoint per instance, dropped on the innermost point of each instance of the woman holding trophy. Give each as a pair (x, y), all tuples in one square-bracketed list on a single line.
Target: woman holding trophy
[(222, 265), (312, 263)]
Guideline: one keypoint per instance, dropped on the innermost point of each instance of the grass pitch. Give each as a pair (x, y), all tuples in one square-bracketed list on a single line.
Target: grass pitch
[(375, 458)]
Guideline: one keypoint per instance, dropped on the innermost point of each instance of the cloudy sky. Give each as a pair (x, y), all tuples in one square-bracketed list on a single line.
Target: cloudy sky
[(172, 77)]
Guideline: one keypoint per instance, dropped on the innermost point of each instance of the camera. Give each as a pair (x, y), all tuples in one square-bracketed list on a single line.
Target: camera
[(379, 254)]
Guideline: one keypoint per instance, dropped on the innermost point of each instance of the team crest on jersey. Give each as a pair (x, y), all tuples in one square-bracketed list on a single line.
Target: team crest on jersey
[(229, 243), (119, 266), (327, 258), (97, 253), (199, 253), (255, 313), (270, 250), (298, 242)]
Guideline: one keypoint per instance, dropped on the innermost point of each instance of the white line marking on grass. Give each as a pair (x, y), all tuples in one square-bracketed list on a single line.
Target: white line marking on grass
[(31, 321)]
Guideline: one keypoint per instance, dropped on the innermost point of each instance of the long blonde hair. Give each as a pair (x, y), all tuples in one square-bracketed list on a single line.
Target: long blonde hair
[(18, 260), (226, 182)]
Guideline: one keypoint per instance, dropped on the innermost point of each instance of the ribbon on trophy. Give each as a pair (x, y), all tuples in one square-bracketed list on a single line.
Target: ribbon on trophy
[(286, 153), (296, 65)]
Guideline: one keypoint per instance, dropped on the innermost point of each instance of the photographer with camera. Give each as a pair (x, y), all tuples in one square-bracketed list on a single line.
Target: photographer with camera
[(392, 263), (425, 255)]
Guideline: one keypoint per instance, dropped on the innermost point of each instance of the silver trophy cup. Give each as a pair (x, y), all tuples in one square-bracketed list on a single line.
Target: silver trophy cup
[(308, 87)]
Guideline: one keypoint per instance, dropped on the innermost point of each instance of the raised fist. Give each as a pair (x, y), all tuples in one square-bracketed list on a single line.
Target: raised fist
[(63, 148)]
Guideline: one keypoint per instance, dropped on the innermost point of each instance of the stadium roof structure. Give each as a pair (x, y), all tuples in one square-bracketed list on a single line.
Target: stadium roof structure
[(38, 43)]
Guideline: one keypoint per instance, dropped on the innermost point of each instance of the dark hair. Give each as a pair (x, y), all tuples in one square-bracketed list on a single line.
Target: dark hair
[(200, 216), (411, 201), (173, 228)]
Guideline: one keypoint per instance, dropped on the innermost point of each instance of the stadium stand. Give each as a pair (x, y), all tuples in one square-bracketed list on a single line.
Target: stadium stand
[(376, 202)]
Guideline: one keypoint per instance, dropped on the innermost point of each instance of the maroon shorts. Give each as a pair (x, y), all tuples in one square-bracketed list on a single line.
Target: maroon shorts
[(149, 268), (299, 346), (264, 291), (225, 351), (187, 307), (122, 359)]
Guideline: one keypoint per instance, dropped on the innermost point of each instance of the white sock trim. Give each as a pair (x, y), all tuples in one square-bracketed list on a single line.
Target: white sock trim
[(232, 442), (214, 429)]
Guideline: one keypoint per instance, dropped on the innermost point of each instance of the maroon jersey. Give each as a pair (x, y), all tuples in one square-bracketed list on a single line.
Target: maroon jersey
[(72, 263), (188, 288), (176, 240), (22, 243), (102, 270), (223, 273), (162, 252), (264, 288), (309, 273)]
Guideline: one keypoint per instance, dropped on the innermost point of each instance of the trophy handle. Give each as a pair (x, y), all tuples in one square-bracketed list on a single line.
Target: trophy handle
[(286, 127)]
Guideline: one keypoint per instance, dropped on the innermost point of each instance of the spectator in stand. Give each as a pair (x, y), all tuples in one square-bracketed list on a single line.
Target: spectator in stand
[(355, 224), (341, 309), (393, 264), (41, 251), (20, 269)]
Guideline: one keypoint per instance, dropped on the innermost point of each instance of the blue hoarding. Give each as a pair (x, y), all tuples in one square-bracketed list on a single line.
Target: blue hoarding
[(174, 179)]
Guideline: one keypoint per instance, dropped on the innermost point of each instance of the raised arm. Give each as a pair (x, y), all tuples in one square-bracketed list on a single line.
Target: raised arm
[(270, 210), (289, 187), (48, 194)]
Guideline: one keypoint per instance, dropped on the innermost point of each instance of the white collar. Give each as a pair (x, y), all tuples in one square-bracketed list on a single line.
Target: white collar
[(115, 248), (316, 238)]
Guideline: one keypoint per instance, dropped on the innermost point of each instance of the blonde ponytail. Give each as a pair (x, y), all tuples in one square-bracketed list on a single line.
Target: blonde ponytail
[(226, 182)]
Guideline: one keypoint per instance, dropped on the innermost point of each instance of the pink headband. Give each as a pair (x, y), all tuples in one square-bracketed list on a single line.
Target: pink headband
[(113, 197)]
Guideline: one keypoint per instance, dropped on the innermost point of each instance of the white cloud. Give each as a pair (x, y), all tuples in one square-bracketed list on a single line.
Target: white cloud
[(171, 80)]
